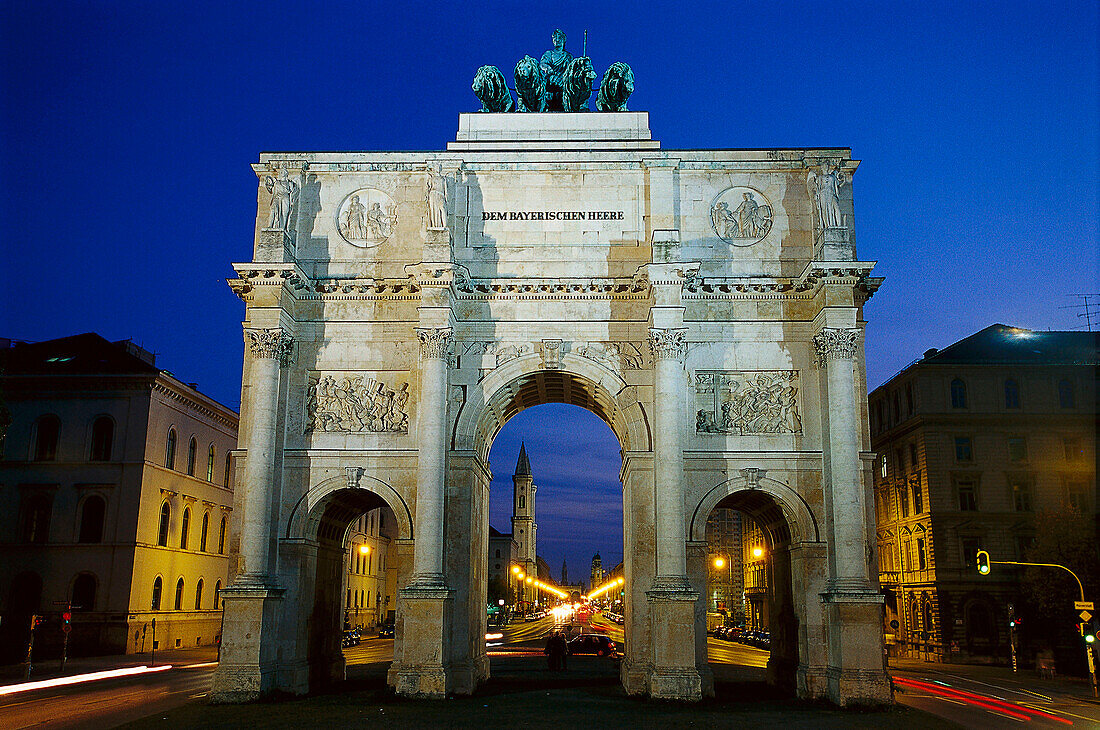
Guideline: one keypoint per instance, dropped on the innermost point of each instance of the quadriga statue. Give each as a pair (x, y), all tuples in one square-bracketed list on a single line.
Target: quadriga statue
[(615, 89), (577, 84), (490, 87), (531, 94)]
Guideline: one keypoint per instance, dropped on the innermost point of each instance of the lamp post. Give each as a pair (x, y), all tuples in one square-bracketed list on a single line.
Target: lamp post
[(719, 563)]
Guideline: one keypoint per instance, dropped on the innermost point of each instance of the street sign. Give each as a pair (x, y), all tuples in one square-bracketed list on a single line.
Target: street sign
[(1085, 616), (1083, 606)]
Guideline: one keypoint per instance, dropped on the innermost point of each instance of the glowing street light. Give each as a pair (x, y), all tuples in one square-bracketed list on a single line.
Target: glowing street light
[(758, 552), (719, 563), (364, 549), (515, 568)]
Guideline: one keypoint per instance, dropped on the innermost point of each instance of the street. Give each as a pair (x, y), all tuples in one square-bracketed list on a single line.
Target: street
[(977, 697)]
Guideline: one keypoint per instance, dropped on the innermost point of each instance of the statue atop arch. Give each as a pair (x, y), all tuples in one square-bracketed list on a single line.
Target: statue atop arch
[(553, 64)]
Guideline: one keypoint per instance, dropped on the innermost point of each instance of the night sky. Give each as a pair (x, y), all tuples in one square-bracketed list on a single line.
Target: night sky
[(128, 129)]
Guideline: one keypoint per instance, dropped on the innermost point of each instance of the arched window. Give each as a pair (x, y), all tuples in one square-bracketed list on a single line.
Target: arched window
[(205, 531), (46, 434), (185, 528), (103, 433), (958, 394), (217, 595), (221, 538), (225, 477), (36, 518), (91, 519), (192, 448), (165, 520), (179, 595), (1012, 394), (170, 450), (210, 464), (1065, 394), (198, 595), (84, 592), (522, 502), (157, 586)]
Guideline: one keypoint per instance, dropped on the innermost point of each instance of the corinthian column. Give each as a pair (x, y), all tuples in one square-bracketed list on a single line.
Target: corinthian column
[(667, 346), (435, 346), (271, 349), (836, 350)]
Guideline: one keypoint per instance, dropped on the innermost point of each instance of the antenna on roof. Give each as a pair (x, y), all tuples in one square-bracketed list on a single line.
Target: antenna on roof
[(584, 48), (1087, 314)]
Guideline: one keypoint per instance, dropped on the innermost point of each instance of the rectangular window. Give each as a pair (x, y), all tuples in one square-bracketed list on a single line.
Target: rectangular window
[(920, 554), (968, 494), (1077, 495), (1071, 445), (903, 501), (1021, 492), (913, 455), (970, 548), (899, 461), (963, 451), (918, 496), (909, 398), (1017, 449), (883, 463), (1024, 543)]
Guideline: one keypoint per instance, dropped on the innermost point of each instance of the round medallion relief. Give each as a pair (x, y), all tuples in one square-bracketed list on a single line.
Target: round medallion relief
[(367, 217), (741, 216)]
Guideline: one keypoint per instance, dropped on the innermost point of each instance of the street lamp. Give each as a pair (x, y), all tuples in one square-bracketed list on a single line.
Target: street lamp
[(364, 549), (719, 563), (758, 552)]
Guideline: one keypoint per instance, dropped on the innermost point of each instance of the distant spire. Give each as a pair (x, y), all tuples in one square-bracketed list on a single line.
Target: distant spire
[(523, 464), (564, 573)]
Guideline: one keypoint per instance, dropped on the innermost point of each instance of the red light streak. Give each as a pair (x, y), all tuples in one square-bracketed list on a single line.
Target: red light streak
[(989, 703)]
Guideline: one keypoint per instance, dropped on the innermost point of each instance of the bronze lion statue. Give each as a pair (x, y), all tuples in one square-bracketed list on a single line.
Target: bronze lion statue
[(576, 86), (615, 89), (489, 86), (531, 94)]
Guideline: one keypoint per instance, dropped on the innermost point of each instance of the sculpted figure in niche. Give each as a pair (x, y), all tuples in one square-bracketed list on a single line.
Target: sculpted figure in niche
[(531, 94), (437, 199), (379, 224), (553, 64), (824, 188), (282, 191), (490, 87), (725, 225), (354, 224), (577, 84), (615, 89)]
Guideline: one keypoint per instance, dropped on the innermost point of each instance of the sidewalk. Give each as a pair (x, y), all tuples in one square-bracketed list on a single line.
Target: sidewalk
[(49, 668), (1076, 687)]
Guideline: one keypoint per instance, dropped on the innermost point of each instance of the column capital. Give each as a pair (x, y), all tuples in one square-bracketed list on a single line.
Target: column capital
[(667, 343), (834, 343), (435, 343), (270, 344)]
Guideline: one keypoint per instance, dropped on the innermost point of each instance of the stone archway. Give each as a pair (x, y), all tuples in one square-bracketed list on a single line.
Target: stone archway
[(578, 262)]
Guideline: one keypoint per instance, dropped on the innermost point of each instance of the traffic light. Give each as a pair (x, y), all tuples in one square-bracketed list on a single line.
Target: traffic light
[(1089, 632), (983, 562), (66, 619)]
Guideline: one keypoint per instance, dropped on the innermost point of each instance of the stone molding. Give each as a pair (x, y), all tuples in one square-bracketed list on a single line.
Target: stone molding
[(834, 343), (435, 344), (667, 344), (271, 344)]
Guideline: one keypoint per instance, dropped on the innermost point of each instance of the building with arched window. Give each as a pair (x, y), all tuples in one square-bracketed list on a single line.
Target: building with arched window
[(995, 430), (96, 483)]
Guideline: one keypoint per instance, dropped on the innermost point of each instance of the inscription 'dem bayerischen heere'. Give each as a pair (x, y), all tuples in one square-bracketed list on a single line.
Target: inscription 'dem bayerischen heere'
[(552, 215)]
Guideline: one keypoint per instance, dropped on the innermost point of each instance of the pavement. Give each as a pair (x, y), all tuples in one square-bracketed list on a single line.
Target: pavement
[(1079, 688)]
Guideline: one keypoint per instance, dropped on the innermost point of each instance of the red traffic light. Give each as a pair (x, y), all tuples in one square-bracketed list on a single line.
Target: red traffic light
[(66, 617)]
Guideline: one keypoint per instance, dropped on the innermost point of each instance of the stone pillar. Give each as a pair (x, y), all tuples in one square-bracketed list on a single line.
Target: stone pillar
[(426, 604), (698, 570), (856, 672), (671, 599), (435, 346), (247, 667), (667, 346), (270, 348), (836, 350)]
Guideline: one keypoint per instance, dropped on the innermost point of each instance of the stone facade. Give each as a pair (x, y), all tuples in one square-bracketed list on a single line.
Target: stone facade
[(122, 506), (973, 442), (581, 264)]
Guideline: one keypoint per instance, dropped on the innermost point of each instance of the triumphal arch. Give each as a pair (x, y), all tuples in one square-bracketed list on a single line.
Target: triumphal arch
[(402, 306)]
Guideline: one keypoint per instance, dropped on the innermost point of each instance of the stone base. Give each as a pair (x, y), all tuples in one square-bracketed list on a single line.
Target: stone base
[(437, 244), (247, 664), (673, 675), (706, 681), (856, 674), (420, 671), (812, 682), (835, 245), (274, 246), (634, 676)]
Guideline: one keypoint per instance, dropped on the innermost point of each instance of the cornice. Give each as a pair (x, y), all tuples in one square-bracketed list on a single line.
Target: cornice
[(176, 394)]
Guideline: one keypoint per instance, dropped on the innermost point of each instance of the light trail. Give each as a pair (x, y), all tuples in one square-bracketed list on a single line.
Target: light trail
[(989, 703), (604, 588), (80, 679)]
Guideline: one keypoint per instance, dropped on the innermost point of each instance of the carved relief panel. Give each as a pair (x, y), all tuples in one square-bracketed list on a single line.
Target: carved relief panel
[(354, 402), (747, 402)]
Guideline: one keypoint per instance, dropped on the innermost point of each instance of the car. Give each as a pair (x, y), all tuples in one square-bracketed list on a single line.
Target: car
[(598, 644), (350, 638), (733, 633), (385, 631)]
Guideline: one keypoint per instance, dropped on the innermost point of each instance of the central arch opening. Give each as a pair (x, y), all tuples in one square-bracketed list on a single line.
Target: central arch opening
[(555, 572)]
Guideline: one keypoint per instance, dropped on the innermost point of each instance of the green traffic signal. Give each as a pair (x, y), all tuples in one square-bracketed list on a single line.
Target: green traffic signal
[(983, 562)]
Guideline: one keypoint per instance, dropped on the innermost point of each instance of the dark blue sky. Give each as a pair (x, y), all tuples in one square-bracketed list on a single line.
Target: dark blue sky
[(128, 128)]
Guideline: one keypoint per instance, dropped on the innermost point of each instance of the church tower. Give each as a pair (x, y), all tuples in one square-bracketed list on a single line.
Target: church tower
[(597, 572), (523, 511)]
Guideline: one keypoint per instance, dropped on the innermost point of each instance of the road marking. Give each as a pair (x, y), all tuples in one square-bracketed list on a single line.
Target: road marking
[(1010, 717), (1064, 712), (997, 686)]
